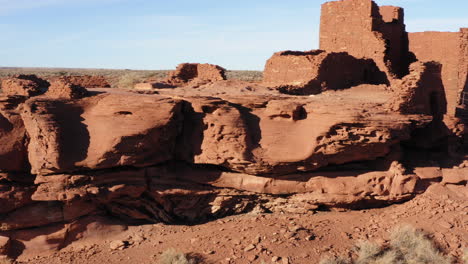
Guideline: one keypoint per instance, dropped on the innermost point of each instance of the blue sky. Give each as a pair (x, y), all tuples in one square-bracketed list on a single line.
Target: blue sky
[(159, 34)]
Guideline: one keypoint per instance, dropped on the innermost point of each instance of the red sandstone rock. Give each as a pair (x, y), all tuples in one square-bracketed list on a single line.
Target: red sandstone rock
[(24, 85), (13, 136), (86, 81), (64, 88), (5, 244), (187, 72), (455, 176), (362, 29), (313, 72), (14, 195), (261, 138), (227, 147), (104, 131)]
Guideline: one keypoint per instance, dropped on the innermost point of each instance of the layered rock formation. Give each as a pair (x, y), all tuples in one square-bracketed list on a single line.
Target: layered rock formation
[(192, 154), (313, 72)]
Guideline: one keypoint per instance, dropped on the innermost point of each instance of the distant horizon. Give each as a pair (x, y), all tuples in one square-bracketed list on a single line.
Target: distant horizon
[(153, 35)]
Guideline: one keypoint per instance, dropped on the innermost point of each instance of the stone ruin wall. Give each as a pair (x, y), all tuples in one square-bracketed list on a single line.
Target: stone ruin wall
[(312, 72), (449, 49), (364, 30), (463, 61)]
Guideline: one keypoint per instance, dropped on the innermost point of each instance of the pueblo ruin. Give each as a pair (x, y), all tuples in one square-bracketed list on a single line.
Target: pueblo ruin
[(375, 117)]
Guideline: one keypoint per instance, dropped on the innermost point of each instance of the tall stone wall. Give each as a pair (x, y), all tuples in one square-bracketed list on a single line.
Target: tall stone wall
[(449, 49), (364, 30)]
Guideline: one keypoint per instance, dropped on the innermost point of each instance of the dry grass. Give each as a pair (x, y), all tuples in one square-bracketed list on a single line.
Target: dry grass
[(172, 256), (118, 78), (249, 76), (407, 246)]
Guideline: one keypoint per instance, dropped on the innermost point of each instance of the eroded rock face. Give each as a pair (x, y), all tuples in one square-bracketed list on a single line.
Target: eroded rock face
[(187, 72), (98, 132), (213, 148), (24, 85), (313, 72), (13, 136), (271, 136)]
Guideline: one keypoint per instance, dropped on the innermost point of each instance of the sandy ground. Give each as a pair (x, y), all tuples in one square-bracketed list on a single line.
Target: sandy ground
[(442, 212)]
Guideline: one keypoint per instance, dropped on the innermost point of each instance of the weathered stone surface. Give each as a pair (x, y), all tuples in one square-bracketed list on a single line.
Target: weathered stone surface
[(284, 136), (187, 72), (64, 88), (450, 50), (13, 136), (421, 92), (362, 29), (455, 176), (315, 71), (24, 85), (213, 147), (14, 195), (104, 131)]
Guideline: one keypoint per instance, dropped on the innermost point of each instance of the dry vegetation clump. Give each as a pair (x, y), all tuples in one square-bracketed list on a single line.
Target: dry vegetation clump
[(407, 246), (248, 76), (114, 77), (172, 256)]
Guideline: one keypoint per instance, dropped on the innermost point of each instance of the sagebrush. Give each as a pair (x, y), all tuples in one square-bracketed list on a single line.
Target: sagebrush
[(173, 256), (407, 246)]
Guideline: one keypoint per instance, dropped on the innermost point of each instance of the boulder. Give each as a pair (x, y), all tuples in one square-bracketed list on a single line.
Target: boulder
[(103, 131), (455, 176)]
